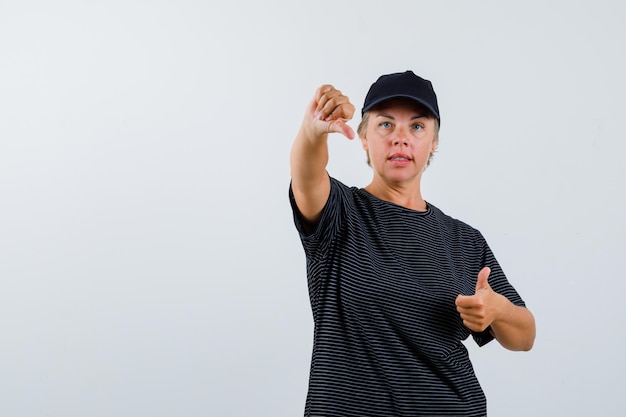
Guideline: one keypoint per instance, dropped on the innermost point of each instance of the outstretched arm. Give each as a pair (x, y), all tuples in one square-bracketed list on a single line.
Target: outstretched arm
[(328, 112), (513, 326)]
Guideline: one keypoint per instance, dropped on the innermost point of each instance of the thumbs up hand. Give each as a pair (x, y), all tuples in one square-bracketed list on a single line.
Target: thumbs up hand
[(478, 311)]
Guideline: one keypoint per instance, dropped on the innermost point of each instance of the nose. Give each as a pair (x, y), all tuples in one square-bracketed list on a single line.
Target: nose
[(400, 138)]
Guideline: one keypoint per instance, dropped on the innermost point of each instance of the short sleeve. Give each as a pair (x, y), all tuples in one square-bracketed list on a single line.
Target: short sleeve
[(317, 237), (499, 283)]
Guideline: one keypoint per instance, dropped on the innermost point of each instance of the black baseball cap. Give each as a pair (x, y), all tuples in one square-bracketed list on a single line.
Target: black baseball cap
[(402, 84)]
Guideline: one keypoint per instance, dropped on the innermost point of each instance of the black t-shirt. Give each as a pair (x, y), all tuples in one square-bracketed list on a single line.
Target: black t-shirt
[(383, 280)]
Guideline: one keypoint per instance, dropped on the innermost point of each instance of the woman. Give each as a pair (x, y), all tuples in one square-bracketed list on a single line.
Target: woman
[(395, 284)]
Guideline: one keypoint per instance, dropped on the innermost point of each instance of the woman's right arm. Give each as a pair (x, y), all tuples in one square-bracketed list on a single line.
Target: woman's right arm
[(328, 112)]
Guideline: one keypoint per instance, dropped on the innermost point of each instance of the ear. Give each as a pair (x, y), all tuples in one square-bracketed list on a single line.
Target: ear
[(364, 143), (433, 146)]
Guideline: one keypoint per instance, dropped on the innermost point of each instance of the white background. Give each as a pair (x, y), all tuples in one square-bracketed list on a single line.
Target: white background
[(149, 265)]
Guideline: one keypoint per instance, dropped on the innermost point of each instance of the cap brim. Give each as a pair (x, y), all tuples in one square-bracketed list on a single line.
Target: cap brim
[(418, 100)]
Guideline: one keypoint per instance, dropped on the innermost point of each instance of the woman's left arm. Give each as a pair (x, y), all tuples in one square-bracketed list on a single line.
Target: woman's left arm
[(512, 326)]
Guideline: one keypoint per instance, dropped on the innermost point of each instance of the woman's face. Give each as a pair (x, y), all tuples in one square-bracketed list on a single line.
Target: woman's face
[(399, 139)]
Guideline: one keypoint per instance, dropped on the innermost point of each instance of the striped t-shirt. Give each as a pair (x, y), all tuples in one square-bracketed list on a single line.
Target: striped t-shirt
[(382, 281)]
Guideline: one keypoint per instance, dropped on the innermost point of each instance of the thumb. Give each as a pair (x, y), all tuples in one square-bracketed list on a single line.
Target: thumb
[(340, 126), (483, 277)]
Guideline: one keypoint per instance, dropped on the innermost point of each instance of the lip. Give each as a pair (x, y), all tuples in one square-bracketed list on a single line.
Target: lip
[(400, 159)]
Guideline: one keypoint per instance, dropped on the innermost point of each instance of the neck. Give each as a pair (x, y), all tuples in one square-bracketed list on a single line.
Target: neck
[(409, 197)]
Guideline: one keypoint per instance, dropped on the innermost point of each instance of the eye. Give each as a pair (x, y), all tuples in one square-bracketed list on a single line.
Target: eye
[(417, 127), (385, 125)]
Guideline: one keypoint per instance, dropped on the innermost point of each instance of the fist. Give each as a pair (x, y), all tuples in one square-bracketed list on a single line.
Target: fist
[(329, 111), (478, 311)]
